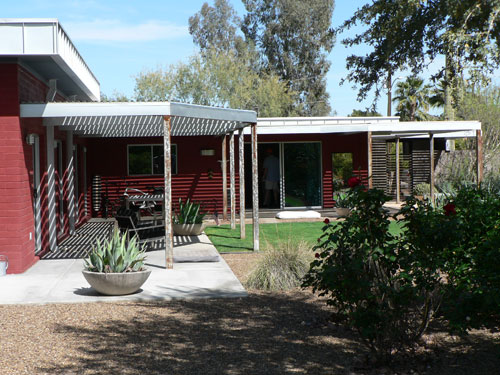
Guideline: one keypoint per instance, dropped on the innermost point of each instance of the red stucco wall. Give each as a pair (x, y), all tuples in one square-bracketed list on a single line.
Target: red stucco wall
[(108, 158)]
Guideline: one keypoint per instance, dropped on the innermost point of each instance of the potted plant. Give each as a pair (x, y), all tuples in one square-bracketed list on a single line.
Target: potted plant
[(342, 203), (189, 220), (116, 267), (422, 190)]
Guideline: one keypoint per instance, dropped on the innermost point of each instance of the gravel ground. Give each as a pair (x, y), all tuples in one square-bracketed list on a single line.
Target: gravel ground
[(265, 333)]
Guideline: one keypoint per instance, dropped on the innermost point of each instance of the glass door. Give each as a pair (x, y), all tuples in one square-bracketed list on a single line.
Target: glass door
[(301, 174)]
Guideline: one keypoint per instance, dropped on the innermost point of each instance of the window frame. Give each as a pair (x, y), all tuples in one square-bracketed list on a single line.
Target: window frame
[(151, 145)]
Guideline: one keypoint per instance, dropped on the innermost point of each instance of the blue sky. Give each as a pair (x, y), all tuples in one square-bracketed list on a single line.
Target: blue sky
[(120, 38)]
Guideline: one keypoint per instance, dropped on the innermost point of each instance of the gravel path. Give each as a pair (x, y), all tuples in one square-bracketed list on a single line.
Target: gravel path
[(266, 333)]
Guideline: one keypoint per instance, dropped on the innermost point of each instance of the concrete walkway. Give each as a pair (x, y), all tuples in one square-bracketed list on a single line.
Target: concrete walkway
[(61, 280)]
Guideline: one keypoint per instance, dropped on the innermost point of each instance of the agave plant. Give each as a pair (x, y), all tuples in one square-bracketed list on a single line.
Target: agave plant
[(116, 255), (189, 213), (342, 200)]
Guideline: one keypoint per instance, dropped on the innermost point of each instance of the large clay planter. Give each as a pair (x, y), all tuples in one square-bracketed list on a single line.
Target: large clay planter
[(116, 284), (188, 229), (343, 211)]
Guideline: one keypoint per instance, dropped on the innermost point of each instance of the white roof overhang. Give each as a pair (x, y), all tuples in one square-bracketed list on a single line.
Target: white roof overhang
[(134, 119), (45, 48), (386, 127)]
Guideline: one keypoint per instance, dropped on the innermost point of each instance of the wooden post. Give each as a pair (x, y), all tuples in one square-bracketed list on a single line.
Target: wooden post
[(479, 157), (232, 180), (241, 161), (431, 146), (370, 160), (255, 189), (167, 155), (398, 177), (70, 181), (51, 189), (224, 179)]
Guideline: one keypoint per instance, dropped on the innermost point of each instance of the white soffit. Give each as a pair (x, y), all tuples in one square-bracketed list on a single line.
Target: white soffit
[(138, 119)]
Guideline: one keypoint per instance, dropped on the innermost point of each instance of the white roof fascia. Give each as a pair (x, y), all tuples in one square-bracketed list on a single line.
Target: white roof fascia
[(134, 119), (447, 135), (385, 126), (89, 109), (30, 38), (425, 126)]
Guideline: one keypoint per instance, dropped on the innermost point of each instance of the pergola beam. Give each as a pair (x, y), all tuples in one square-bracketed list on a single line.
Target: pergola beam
[(398, 176), (70, 182), (224, 178), (241, 161), (255, 189), (370, 159), (479, 157), (431, 164), (167, 155), (51, 190), (232, 180)]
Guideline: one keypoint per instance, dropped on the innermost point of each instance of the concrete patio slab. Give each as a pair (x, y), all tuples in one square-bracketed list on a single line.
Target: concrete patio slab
[(61, 281)]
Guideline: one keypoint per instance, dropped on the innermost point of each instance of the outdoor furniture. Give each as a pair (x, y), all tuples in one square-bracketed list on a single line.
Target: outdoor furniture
[(146, 201), (145, 230)]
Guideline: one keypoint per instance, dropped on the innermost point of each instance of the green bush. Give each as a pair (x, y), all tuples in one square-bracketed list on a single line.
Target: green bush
[(368, 275), (116, 255), (390, 286), (281, 267), (465, 238), (422, 188)]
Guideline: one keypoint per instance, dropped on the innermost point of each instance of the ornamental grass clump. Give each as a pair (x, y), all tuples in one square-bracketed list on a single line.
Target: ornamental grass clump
[(116, 255), (281, 267)]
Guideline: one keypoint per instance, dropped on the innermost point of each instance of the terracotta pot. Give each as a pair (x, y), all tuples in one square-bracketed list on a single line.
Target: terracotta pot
[(343, 211), (116, 284), (188, 229)]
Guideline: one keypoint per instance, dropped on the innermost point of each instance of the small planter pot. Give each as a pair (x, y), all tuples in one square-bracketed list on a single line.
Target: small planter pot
[(343, 211), (188, 229), (116, 284)]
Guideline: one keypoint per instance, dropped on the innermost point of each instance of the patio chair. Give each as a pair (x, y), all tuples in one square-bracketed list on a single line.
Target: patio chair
[(145, 230)]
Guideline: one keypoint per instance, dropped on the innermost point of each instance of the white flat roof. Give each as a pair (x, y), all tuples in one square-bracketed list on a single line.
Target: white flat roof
[(135, 119), (44, 47)]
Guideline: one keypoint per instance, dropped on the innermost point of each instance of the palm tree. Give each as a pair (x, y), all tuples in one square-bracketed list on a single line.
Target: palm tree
[(413, 98)]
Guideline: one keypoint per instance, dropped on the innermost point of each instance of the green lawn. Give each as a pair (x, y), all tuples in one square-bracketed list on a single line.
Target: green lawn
[(227, 240)]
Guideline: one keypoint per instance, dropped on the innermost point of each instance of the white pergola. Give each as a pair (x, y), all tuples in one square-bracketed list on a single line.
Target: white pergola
[(131, 119)]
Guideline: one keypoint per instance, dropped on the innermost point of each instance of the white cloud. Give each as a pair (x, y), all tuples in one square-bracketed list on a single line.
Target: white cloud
[(113, 30)]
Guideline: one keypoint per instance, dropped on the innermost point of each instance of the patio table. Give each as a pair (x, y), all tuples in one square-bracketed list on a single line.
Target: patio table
[(147, 198)]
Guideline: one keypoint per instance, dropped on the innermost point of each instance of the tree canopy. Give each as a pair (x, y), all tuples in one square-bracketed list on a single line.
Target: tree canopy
[(216, 27), (410, 34), (294, 38), (216, 79), (413, 98)]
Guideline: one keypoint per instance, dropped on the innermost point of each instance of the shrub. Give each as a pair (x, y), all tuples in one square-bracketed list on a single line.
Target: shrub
[(469, 249), (422, 189), (281, 267), (116, 255), (376, 283)]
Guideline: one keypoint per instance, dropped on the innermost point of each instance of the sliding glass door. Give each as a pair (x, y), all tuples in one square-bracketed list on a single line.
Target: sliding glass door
[(301, 176)]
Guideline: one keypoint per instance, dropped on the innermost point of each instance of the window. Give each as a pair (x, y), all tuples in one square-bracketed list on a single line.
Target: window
[(148, 160), (342, 166)]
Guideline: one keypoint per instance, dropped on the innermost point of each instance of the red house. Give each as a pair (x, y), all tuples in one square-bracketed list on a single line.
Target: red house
[(58, 143)]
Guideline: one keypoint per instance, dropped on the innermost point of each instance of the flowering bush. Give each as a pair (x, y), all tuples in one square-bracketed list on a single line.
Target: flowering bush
[(389, 286), (353, 182)]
